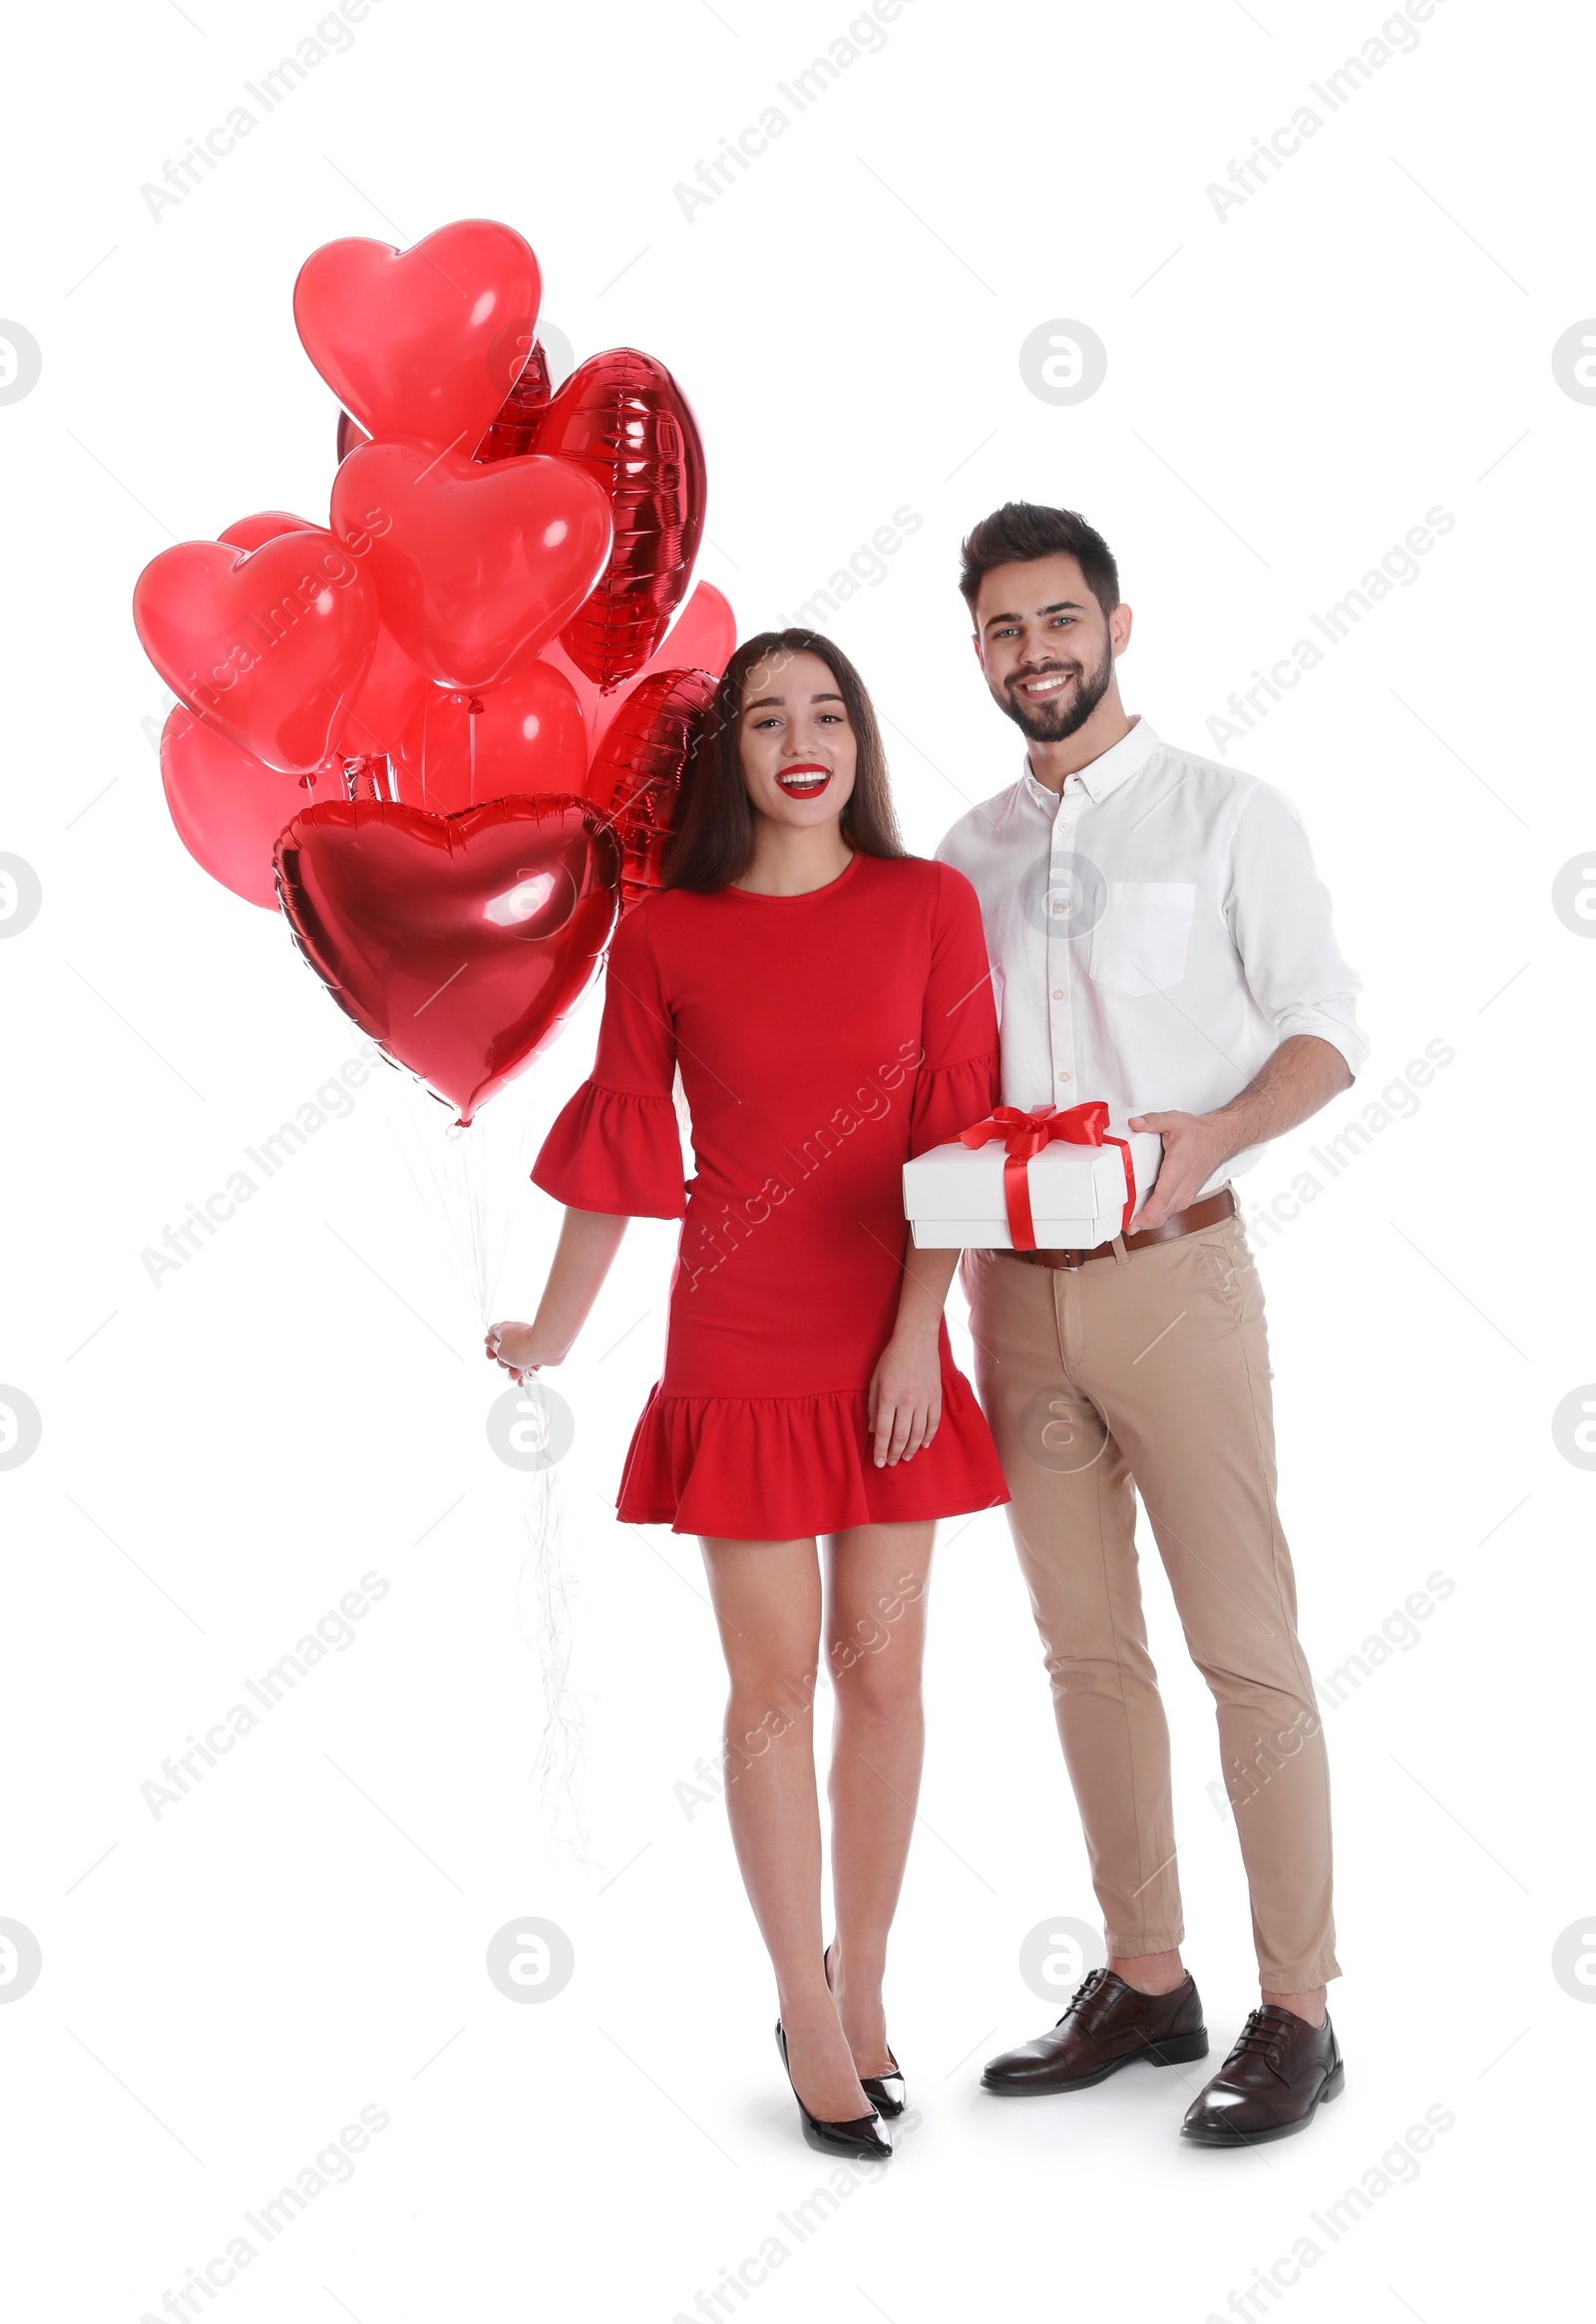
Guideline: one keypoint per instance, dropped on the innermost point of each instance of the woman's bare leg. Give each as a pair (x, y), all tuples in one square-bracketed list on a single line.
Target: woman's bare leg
[(876, 1578), (766, 1598)]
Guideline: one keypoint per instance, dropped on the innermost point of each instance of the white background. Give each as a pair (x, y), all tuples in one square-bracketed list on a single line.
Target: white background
[(1290, 387)]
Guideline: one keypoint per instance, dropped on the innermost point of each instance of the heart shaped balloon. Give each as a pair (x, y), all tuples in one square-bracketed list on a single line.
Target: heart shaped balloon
[(703, 636), (459, 942), (266, 524), (390, 693), (622, 416), (269, 644), (425, 342), (229, 807), (637, 769), (528, 738), (475, 566), (515, 422)]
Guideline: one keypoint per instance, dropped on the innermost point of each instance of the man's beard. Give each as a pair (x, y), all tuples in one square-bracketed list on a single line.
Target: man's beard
[(1053, 721)]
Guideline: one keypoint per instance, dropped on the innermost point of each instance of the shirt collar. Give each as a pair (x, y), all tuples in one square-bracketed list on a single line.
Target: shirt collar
[(1116, 765)]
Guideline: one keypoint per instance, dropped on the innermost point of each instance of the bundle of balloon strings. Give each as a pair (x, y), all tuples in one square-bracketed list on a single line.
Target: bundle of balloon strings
[(471, 1182)]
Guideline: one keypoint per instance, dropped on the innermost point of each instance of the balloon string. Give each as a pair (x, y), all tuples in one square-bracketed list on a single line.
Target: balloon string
[(469, 1183), (559, 1764), (477, 1172)]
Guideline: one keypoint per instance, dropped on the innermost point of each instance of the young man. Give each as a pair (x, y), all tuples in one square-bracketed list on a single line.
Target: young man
[(1159, 939)]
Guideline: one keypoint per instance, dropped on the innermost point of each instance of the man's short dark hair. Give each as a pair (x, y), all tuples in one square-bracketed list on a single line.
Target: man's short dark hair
[(1021, 530)]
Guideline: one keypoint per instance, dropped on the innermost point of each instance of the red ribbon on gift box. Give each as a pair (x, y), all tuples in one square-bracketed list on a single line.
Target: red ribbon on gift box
[(1025, 1134)]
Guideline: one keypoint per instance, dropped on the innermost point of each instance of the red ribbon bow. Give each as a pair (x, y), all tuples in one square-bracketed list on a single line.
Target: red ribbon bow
[(1025, 1134)]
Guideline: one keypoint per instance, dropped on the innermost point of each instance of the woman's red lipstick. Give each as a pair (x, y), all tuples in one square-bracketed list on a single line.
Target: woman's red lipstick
[(805, 779)]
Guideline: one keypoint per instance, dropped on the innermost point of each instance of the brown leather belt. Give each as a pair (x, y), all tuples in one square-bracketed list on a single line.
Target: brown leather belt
[(1207, 1213)]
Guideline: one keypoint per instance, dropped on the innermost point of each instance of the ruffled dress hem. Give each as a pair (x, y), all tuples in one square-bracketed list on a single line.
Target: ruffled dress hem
[(776, 1468)]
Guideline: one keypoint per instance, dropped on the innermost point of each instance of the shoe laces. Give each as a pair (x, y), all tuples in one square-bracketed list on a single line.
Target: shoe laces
[(1264, 2032), (1084, 1992)]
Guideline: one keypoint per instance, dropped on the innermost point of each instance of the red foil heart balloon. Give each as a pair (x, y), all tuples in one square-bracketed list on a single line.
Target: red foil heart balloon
[(622, 416), (425, 342), (636, 781), (271, 646), (459, 942), (351, 435), (474, 567), (228, 807), (703, 636), (515, 422), (528, 738)]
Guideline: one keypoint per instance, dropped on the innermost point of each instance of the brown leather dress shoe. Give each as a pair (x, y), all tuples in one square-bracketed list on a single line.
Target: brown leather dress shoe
[(1107, 2025), (1269, 2085)]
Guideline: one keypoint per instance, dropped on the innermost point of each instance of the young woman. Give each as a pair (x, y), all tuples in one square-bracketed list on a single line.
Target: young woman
[(826, 1000)]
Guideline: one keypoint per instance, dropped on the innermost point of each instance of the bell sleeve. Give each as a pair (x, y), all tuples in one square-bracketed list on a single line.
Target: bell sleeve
[(958, 1081), (617, 1146)]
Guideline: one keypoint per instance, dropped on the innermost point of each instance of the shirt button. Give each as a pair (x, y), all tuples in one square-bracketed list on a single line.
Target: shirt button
[(1060, 910), (1063, 827), (1063, 1076), (1058, 993)]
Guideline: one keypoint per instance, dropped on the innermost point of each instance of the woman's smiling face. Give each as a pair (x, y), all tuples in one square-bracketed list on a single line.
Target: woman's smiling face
[(798, 746)]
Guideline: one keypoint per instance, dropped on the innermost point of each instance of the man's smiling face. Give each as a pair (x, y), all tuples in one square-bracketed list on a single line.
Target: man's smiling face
[(1045, 646)]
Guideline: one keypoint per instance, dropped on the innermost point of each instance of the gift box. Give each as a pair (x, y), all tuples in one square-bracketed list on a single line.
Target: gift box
[(1047, 1180)]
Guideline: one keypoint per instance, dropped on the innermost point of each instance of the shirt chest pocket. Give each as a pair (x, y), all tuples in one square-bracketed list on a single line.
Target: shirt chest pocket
[(1139, 945)]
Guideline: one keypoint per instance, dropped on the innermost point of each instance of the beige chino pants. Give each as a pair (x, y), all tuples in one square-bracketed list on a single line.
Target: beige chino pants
[(1151, 1374)]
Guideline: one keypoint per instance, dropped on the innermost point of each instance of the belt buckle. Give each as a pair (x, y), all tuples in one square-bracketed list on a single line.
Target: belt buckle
[(1073, 1261)]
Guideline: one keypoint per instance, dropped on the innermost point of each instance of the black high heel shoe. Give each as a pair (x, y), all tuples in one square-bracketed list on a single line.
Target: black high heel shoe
[(885, 2092), (860, 2139)]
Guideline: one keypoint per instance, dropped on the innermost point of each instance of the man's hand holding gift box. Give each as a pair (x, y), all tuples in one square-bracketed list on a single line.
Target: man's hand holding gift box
[(1052, 1179)]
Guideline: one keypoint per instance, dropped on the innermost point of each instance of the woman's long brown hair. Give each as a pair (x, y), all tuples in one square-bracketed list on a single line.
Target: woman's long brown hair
[(713, 842)]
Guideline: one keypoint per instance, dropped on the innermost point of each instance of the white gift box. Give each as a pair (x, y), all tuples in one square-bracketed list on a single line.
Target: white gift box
[(953, 1195)]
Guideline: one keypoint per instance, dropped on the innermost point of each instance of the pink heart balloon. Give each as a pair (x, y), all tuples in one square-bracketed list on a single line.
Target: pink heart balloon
[(529, 737), (425, 342), (270, 644), (474, 567), (228, 807), (390, 693), (267, 525)]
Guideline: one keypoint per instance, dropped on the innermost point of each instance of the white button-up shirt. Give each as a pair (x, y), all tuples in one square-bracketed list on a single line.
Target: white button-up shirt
[(1156, 930)]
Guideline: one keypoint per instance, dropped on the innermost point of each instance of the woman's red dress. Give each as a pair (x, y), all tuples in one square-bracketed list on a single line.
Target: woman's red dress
[(822, 1040)]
